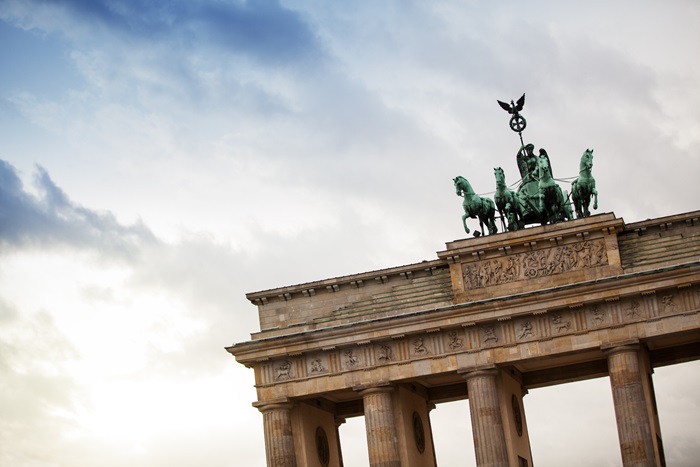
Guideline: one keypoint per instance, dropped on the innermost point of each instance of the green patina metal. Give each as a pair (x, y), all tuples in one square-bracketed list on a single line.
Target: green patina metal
[(538, 198), (583, 188), (475, 206)]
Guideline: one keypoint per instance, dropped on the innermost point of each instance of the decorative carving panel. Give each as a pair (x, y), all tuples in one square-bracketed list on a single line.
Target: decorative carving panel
[(534, 264)]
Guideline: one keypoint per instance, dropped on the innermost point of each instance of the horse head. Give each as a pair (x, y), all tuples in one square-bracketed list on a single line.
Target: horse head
[(543, 165), (462, 185), (500, 176), (458, 181), (586, 163)]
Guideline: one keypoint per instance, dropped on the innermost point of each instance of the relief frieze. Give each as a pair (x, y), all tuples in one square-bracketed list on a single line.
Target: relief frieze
[(317, 366), (632, 311), (384, 353), (668, 303), (419, 347), (284, 370), (525, 330), (534, 264), (488, 334), (598, 315), (350, 359), (455, 342), (560, 324)]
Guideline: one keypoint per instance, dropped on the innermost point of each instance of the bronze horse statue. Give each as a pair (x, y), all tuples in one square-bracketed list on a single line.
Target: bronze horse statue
[(583, 188), (476, 206), (554, 204), (507, 201)]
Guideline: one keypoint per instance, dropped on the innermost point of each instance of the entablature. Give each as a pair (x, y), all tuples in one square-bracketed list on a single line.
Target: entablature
[(478, 314)]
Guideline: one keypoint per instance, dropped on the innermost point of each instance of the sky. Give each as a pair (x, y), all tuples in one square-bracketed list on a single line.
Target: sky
[(160, 159)]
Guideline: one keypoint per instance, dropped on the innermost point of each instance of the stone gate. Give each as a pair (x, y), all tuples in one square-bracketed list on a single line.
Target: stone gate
[(487, 320)]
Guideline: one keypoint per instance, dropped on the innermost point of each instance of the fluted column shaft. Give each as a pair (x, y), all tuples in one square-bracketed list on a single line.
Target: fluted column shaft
[(382, 441), (487, 424), (339, 421), (279, 442), (633, 426)]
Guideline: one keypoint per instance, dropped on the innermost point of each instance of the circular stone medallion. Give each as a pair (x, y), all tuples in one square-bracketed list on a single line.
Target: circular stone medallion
[(517, 415), (418, 432), (324, 454)]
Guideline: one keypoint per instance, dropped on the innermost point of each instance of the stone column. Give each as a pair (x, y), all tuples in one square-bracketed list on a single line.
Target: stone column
[(431, 407), (382, 441), (633, 427), (339, 421), (279, 442), (487, 424)]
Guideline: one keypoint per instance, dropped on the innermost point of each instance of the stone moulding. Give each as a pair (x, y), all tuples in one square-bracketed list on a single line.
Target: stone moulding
[(354, 281), (483, 336)]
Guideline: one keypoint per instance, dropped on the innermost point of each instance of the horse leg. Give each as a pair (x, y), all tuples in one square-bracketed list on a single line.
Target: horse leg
[(576, 196), (595, 198), (566, 205), (464, 221), (493, 229), (503, 213)]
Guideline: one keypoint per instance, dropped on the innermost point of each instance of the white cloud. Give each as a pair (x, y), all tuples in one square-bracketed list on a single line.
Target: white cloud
[(211, 149)]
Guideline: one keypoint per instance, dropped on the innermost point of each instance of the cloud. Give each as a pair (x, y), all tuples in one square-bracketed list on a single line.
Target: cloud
[(53, 219), (36, 389), (271, 143), (263, 31)]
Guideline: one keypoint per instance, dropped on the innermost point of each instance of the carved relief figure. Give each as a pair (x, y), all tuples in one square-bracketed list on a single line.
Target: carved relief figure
[(559, 324), (384, 353), (351, 360), (455, 341), (669, 306), (598, 252), (525, 330), (419, 347), (284, 370), (569, 258), (512, 270), (490, 334), (598, 314), (633, 310), (317, 366)]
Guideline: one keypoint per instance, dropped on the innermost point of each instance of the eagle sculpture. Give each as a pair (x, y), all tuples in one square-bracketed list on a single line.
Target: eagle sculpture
[(514, 107)]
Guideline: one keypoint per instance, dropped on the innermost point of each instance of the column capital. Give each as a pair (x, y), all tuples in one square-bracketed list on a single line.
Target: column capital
[(266, 406), (378, 389), (628, 346), (480, 371)]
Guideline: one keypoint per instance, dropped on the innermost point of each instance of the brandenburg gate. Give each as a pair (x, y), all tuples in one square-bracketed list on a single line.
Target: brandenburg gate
[(490, 318)]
